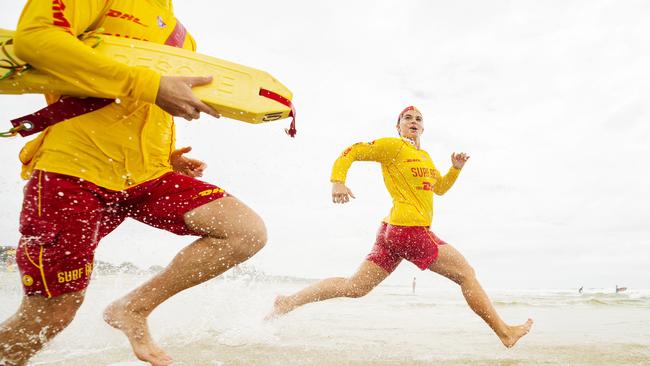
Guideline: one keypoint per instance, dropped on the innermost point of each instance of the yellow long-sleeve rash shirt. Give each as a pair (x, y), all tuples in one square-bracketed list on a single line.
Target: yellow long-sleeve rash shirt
[(124, 143), (409, 175)]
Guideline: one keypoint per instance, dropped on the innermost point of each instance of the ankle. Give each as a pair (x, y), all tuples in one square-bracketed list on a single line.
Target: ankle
[(502, 330), (132, 307)]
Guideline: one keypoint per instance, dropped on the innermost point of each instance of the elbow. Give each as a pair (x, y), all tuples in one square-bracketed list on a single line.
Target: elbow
[(31, 43), (440, 192), (21, 48)]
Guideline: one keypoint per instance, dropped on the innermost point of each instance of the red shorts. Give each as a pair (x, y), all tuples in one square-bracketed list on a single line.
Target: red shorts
[(64, 218), (416, 244)]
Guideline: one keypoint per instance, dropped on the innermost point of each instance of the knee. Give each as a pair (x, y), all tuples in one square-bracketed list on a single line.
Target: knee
[(251, 240), (55, 313), (64, 309), (465, 275), (355, 290)]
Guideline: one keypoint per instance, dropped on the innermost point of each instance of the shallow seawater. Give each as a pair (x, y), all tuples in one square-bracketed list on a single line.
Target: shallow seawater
[(221, 323)]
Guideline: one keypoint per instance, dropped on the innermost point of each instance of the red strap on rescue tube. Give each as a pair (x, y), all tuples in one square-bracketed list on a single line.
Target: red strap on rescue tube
[(64, 108), (70, 107), (282, 100)]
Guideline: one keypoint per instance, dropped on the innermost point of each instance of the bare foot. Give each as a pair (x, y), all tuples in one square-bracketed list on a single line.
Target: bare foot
[(134, 326), (516, 332), (281, 306)]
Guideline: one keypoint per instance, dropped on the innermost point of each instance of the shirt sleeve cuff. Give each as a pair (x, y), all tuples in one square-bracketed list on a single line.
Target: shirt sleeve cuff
[(148, 82)]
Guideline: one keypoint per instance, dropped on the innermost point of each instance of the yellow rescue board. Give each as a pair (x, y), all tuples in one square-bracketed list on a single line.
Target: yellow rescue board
[(234, 91)]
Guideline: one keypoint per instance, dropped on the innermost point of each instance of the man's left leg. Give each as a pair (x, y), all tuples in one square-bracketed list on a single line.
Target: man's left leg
[(37, 320), (232, 233), (452, 264)]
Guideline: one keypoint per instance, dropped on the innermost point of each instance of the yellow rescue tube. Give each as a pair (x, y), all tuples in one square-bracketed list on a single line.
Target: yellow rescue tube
[(238, 92)]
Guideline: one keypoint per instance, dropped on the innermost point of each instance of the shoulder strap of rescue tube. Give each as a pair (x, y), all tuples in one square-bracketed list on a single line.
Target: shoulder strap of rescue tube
[(64, 108)]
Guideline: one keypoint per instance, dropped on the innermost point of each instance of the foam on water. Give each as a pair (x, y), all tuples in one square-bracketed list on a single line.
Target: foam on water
[(221, 323)]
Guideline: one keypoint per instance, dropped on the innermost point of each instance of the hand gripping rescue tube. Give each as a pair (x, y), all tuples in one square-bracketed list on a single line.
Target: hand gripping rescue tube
[(237, 92)]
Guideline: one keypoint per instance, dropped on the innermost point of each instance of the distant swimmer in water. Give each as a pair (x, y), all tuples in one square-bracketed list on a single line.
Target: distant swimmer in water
[(580, 289), (620, 289), (411, 179)]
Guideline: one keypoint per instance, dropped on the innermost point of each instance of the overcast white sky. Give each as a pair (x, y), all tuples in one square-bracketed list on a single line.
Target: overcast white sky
[(550, 98)]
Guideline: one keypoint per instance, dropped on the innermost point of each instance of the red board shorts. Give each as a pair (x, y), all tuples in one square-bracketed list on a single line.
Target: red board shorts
[(63, 219), (416, 244)]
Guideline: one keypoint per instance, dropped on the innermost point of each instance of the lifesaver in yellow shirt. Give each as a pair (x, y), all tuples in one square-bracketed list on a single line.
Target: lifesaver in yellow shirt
[(238, 92)]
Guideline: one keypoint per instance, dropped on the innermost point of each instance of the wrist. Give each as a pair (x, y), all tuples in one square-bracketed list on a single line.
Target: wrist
[(147, 85)]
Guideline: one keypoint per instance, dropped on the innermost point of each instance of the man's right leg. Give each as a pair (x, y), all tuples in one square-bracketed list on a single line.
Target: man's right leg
[(367, 277), (232, 234), (37, 320)]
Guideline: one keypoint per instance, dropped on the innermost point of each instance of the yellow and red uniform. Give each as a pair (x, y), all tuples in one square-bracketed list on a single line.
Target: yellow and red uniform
[(64, 218), (127, 142), (88, 173), (409, 175)]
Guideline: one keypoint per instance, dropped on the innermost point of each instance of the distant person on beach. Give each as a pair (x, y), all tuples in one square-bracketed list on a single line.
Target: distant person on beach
[(414, 279), (620, 289), (113, 157), (411, 179), (580, 290)]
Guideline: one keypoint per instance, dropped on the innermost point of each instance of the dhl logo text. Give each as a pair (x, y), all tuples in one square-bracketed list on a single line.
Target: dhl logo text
[(120, 15)]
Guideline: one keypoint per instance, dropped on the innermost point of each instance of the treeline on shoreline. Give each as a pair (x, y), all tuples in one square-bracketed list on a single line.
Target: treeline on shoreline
[(240, 272)]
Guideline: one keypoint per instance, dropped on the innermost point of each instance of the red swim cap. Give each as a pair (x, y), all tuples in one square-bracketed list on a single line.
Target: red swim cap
[(409, 108)]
